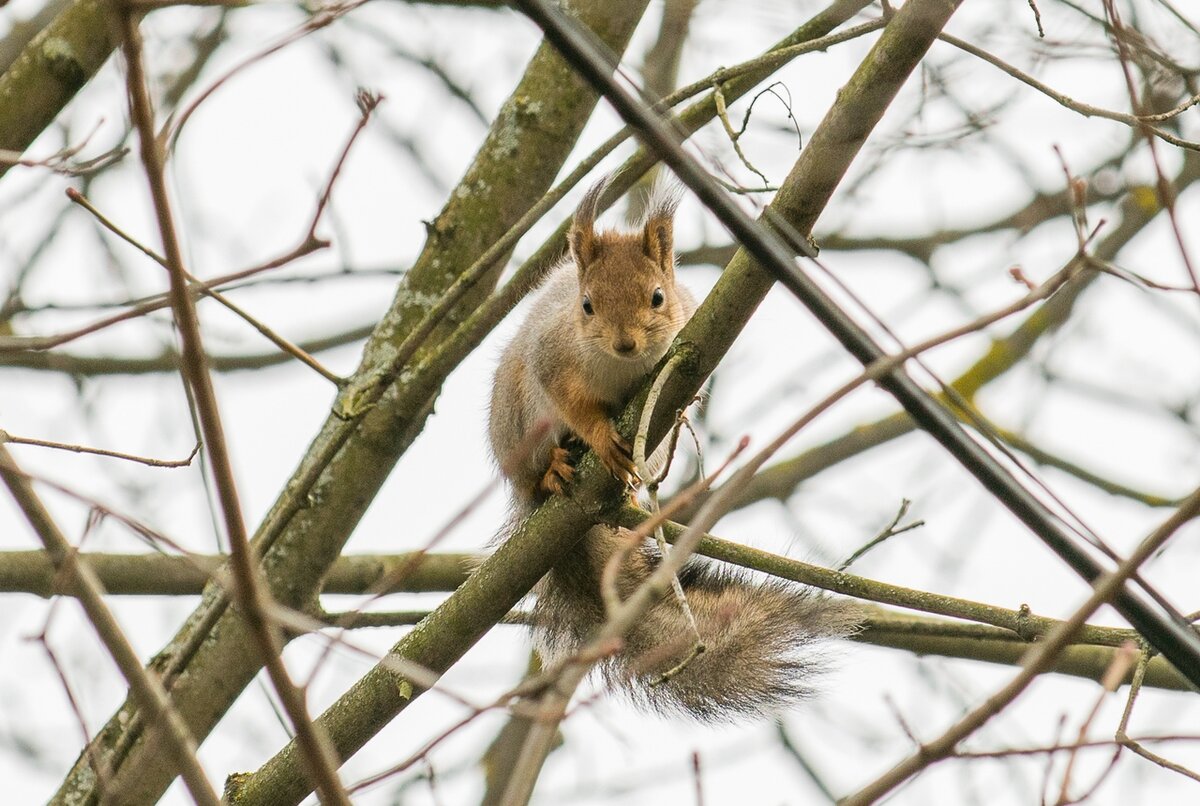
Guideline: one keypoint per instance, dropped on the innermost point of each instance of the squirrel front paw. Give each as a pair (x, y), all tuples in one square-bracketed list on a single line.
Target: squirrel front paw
[(616, 454), (559, 474)]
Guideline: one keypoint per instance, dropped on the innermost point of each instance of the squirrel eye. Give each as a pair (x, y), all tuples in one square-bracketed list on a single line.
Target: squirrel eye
[(657, 298), (587, 305)]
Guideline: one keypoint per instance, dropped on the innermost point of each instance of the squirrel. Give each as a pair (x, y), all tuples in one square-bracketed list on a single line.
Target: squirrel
[(602, 319)]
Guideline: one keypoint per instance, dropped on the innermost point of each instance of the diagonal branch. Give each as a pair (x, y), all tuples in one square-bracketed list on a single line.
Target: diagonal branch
[(1037, 660), (145, 687), (527, 554), (780, 480), (255, 602), (353, 452), (50, 70)]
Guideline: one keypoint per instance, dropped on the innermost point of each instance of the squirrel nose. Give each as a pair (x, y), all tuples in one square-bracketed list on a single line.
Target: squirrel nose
[(624, 345)]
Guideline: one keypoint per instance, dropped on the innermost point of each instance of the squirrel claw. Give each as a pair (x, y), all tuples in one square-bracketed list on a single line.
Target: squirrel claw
[(559, 474), (617, 456)]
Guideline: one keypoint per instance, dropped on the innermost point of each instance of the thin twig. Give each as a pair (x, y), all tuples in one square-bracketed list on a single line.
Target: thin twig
[(1087, 110), (1037, 18), (367, 102), (1117, 671), (736, 136), (1137, 746), (66, 446), (60, 162), (1037, 660), (789, 747), (646, 472), (1163, 186), (321, 763), (891, 530), (103, 772), (1051, 749), (146, 689)]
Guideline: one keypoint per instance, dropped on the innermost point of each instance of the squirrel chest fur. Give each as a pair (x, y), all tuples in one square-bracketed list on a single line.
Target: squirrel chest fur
[(600, 322)]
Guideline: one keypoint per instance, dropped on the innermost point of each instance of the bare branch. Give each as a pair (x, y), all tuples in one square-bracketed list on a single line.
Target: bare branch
[(63, 446), (253, 596), (1037, 660), (148, 691)]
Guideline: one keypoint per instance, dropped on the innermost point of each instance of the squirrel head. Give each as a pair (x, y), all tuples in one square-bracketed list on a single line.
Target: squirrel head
[(627, 305)]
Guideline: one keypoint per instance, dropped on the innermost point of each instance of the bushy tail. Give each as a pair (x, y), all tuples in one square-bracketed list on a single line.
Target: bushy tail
[(760, 638)]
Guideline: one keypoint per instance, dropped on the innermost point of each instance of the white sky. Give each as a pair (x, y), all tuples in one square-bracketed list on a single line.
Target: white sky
[(245, 176)]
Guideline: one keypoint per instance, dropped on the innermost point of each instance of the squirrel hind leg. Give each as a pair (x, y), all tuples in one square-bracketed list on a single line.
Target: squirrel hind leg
[(760, 655)]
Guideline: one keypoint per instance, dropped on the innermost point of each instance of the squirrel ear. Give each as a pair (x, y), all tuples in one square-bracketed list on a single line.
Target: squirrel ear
[(582, 238), (657, 243), (658, 231), (584, 246)]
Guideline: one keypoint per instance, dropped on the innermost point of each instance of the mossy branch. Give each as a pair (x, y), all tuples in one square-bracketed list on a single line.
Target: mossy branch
[(161, 575), (351, 456), (935, 637), (530, 551), (167, 575), (51, 69)]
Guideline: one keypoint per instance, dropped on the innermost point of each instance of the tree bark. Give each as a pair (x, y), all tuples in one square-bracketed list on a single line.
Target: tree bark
[(353, 453)]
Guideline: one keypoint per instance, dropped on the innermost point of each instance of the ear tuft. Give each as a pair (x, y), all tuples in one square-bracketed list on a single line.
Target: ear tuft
[(585, 247), (658, 229)]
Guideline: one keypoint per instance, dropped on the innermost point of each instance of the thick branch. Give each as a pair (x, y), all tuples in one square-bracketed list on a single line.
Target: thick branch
[(53, 67), (383, 693), (934, 637), (163, 575), (355, 450)]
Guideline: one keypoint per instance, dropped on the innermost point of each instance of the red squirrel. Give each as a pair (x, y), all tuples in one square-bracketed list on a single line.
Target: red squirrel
[(602, 319)]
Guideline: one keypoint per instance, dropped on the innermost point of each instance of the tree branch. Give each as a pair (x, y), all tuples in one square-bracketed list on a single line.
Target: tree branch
[(146, 690), (255, 602), (355, 449), (168, 575), (50, 70), (780, 480)]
